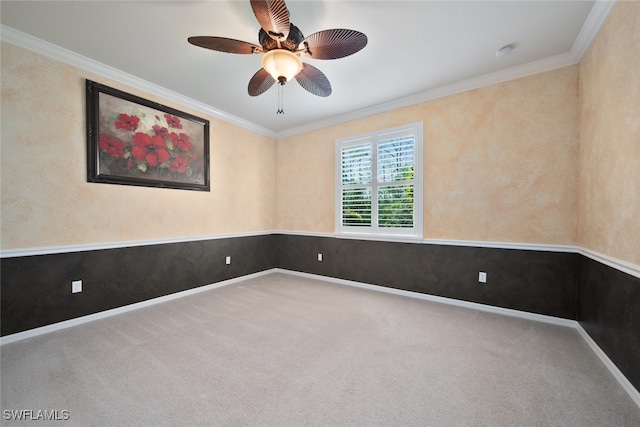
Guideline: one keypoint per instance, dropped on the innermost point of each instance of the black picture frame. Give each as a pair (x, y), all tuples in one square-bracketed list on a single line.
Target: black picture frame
[(134, 141)]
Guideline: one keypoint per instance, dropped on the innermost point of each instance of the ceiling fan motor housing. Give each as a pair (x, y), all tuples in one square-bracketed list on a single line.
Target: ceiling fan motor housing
[(282, 44), (290, 43)]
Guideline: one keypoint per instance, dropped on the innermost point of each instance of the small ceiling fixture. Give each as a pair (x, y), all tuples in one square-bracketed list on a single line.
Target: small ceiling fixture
[(505, 50), (281, 44)]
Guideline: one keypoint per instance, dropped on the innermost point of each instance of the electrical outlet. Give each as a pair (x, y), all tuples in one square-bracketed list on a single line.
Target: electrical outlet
[(228, 260), (76, 286), (319, 257), (482, 277)]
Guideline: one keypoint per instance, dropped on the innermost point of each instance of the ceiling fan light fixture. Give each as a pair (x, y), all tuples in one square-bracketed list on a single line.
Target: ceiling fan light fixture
[(282, 44), (281, 64)]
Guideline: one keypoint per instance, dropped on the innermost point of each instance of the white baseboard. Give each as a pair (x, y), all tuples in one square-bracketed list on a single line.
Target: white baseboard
[(624, 382), (7, 339), (112, 312), (442, 300), (618, 375)]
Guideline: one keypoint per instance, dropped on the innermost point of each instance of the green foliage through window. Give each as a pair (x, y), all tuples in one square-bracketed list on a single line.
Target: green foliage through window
[(377, 182)]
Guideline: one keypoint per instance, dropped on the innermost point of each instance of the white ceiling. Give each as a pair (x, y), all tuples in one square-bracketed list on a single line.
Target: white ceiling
[(417, 50)]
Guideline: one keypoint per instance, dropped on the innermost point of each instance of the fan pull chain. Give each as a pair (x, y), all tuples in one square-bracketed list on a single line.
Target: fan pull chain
[(280, 99)]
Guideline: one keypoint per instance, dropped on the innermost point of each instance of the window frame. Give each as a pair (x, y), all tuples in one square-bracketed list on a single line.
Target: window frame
[(375, 138)]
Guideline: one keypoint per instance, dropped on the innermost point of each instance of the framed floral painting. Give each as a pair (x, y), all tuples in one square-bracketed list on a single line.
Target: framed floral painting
[(134, 141)]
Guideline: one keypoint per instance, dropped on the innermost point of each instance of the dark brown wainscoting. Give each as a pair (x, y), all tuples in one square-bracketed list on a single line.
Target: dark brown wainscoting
[(609, 311), (36, 290), (534, 281)]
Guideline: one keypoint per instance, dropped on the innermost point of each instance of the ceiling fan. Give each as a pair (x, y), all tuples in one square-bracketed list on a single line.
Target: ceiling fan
[(281, 44)]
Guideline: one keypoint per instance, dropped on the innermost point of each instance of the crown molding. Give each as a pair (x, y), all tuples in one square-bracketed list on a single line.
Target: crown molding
[(589, 30), (591, 27), (539, 66), (50, 50)]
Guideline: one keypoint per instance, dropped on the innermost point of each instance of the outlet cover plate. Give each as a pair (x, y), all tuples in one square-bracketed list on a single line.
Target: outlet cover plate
[(76, 286)]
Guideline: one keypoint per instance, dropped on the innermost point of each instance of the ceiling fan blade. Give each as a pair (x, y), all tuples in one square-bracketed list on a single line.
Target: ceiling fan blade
[(273, 17), (260, 82), (314, 81), (223, 44), (334, 44)]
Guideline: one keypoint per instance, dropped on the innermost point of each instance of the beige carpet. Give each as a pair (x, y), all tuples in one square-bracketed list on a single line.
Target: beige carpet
[(281, 350)]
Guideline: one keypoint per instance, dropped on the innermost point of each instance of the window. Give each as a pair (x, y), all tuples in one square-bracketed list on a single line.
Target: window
[(379, 182)]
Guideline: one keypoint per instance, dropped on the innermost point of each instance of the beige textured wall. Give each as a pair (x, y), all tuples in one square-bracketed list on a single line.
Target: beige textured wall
[(609, 207), (500, 163), (46, 200)]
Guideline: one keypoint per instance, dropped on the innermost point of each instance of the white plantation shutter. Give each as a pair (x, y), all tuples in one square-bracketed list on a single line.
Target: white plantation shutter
[(379, 182), (357, 174), (396, 184)]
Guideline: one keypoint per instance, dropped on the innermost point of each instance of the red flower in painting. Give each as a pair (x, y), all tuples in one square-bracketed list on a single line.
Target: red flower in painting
[(152, 149), (161, 130), (179, 165), (147, 144), (127, 122), (173, 121), (181, 141), (112, 146)]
